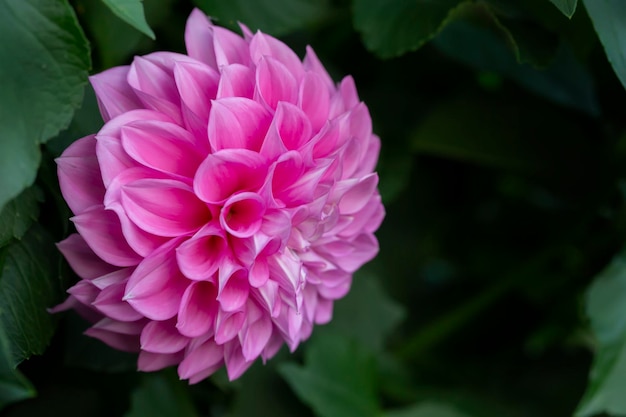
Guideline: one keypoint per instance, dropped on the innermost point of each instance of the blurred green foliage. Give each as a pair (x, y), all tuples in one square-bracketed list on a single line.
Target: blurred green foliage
[(503, 170)]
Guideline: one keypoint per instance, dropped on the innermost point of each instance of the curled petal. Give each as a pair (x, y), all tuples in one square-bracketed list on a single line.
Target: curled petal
[(198, 309), (162, 337), (242, 214), (275, 83), (262, 45), (205, 356), (150, 362), (114, 95), (109, 302), (233, 291), (82, 258), (200, 257), (228, 325), (199, 38), (236, 81), (229, 48)]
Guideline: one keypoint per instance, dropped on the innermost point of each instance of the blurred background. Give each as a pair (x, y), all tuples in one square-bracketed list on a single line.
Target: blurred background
[(503, 172)]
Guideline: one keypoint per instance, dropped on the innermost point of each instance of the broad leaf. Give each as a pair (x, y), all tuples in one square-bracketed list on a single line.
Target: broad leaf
[(161, 395), (567, 7), (45, 58), (426, 410), (338, 378), (277, 17), (607, 311), (131, 12), (28, 286), (565, 81), (609, 20), (392, 27), (377, 314), (18, 214)]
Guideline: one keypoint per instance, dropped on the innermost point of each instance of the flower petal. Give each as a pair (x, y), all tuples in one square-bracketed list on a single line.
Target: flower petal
[(274, 83), (242, 214), (237, 122), (198, 309), (199, 38), (201, 256), (82, 258), (114, 95), (162, 337)]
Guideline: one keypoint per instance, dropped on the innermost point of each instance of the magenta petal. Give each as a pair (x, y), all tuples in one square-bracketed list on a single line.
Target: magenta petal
[(229, 48), (263, 45), (150, 362), (162, 146), (200, 257), (156, 287), (358, 195), (197, 85), (114, 94), (233, 292), (242, 214), (109, 302), (198, 309), (314, 99), (164, 207), (348, 92), (112, 157), (292, 125), (312, 63), (236, 363), (199, 38), (84, 291), (82, 258), (256, 337), (275, 83), (237, 122), (102, 231), (259, 274), (227, 325), (236, 81), (79, 175), (139, 240), (162, 337), (204, 356), (226, 172)]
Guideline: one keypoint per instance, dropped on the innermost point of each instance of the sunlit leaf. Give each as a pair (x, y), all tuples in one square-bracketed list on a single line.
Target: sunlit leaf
[(45, 58), (131, 12)]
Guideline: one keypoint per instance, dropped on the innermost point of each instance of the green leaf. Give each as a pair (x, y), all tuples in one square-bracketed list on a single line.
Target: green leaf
[(45, 58), (607, 312), (18, 214), (491, 131), (277, 17), (28, 286), (392, 27), (131, 12), (161, 395), (338, 378), (609, 20), (565, 81), (427, 409), (567, 7), (377, 314)]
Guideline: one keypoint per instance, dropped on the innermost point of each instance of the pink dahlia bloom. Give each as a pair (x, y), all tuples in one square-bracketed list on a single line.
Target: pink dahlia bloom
[(224, 205)]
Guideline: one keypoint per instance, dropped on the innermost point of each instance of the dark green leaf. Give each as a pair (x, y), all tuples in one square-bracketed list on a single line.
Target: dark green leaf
[(131, 12), (426, 410), (377, 314), (486, 130), (609, 20), (45, 58), (277, 17), (392, 27), (161, 395), (567, 7), (565, 81), (18, 214), (338, 378), (607, 311), (28, 286)]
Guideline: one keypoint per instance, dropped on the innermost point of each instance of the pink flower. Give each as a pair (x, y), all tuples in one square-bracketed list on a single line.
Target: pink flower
[(224, 205)]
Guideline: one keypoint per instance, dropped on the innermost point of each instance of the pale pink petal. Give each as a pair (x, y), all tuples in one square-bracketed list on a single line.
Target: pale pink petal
[(358, 195), (102, 231), (314, 99), (228, 325), (236, 363), (236, 81), (162, 337), (109, 302), (312, 63), (150, 362), (79, 175), (199, 38), (229, 47), (256, 337), (197, 85), (202, 357), (233, 291), (114, 95), (82, 258)]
